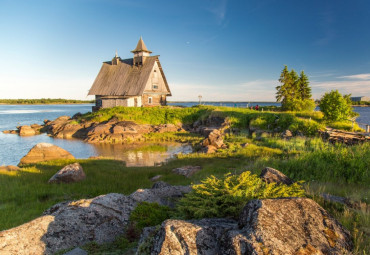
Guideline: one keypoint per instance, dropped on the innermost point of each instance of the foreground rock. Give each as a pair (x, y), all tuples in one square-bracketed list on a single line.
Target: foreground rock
[(71, 224), (43, 152), (272, 175), (70, 173), (271, 226)]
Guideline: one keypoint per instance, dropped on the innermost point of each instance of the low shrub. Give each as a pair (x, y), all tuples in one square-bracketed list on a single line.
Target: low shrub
[(226, 196), (149, 214)]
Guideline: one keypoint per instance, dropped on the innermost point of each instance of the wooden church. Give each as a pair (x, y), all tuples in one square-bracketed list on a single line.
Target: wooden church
[(135, 82)]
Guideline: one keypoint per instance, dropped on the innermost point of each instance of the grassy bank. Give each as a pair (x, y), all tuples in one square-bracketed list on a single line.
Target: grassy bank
[(325, 168), (307, 123), (45, 101), (336, 169)]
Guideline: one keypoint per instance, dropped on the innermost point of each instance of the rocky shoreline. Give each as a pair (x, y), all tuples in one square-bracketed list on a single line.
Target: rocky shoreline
[(267, 226), (115, 131)]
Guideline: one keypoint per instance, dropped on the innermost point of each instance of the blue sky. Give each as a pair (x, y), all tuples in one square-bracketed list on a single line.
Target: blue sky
[(221, 49)]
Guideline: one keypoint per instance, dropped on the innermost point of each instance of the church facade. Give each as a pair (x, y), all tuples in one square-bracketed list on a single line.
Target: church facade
[(133, 82)]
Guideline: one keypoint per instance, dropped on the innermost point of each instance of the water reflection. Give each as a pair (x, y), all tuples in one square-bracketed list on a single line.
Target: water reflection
[(142, 154)]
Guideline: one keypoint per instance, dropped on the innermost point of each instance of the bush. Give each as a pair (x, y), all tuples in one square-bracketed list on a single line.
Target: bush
[(336, 107), (226, 197), (300, 105), (149, 214)]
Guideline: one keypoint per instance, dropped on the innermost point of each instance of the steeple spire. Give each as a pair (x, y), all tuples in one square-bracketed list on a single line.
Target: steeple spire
[(141, 47)]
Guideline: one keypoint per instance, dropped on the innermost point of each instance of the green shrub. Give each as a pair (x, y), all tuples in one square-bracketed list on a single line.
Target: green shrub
[(335, 106), (225, 197), (149, 214), (307, 127)]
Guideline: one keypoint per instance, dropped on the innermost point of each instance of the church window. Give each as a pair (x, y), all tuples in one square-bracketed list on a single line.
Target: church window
[(150, 100)]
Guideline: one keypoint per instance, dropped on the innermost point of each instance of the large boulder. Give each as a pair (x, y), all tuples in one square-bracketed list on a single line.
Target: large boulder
[(272, 175), (43, 152), (71, 224), (70, 173), (270, 226), (291, 226)]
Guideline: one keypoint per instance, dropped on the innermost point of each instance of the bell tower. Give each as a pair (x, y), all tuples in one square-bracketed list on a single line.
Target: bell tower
[(140, 53)]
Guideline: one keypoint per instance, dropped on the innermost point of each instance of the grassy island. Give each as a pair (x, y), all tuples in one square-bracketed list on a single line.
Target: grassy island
[(253, 142)]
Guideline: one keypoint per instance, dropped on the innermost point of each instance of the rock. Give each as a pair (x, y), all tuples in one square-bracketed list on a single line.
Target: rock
[(160, 184), (291, 226), (11, 132), (9, 168), (204, 236), (167, 128), (272, 175), (70, 173), (287, 134), (215, 138), (76, 116), (209, 149), (70, 224), (186, 171), (270, 226), (76, 251), (156, 178), (26, 131), (164, 196), (43, 152)]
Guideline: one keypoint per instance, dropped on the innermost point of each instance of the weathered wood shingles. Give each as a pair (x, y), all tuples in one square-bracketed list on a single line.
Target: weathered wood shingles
[(123, 79)]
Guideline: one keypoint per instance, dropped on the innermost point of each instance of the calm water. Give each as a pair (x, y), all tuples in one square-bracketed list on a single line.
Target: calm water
[(14, 147)]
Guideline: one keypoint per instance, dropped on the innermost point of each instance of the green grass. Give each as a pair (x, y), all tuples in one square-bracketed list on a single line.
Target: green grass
[(336, 169)]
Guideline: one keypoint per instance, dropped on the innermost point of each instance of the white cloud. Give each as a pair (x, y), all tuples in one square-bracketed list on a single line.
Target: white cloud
[(354, 87), (257, 90), (363, 76)]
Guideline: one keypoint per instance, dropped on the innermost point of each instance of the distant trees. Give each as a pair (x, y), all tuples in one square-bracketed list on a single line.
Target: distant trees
[(294, 91), (335, 106)]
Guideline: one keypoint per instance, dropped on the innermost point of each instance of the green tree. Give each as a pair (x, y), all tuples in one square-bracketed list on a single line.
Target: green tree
[(335, 106), (303, 85), (294, 92)]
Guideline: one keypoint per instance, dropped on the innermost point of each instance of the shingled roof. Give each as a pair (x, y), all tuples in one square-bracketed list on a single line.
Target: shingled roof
[(125, 79)]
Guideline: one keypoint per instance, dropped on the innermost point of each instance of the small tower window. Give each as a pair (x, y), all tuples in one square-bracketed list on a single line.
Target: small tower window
[(150, 100), (155, 86)]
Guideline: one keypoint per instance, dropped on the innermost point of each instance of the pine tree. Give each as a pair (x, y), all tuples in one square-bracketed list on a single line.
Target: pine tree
[(294, 93), (304, 89), (283, 91)]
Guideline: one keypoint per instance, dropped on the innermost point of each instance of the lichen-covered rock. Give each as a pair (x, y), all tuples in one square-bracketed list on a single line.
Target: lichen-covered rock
[(70, 224), (186, 171), (43, 152), (70, 173), (272, 175), (206, 236), (272, 226), (291, 226)]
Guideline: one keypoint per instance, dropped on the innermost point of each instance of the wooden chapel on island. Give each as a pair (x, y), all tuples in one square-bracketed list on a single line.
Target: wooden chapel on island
[(135, 82)]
